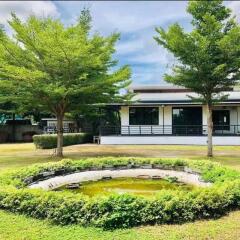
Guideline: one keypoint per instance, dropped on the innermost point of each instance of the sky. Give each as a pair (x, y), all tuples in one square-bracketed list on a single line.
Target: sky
[(134, 20)]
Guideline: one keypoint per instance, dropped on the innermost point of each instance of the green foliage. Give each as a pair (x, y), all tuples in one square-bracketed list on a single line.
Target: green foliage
[(208, 56), (59, 69), (48, 141), (65, 67), (8, 97), (122, 211)]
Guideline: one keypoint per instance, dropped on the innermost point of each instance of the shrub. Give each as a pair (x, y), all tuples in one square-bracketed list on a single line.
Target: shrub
[(122, 211), (48, 141)]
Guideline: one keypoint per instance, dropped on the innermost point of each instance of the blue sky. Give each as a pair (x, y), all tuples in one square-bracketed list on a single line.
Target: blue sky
[(134, 20)]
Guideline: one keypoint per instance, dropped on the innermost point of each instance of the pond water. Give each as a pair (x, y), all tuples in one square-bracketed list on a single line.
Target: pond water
[(145, 187)]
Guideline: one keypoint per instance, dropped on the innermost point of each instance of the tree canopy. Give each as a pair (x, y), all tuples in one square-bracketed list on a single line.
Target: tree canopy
[(60, 68)]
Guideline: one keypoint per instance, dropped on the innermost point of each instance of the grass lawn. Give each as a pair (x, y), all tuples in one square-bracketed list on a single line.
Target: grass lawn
[(16, 227), (23, 154)]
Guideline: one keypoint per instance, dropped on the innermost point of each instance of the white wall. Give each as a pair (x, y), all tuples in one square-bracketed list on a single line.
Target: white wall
[(204, 119), (161, 115), (169, 140), (124, 113), (168, 119)]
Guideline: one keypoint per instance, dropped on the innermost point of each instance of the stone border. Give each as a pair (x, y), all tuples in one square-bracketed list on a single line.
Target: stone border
[(62, 171), (85, 176)]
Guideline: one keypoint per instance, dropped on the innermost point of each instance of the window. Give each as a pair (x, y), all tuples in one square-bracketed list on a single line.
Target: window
[(187, 120), (187, 116), (221, 120), (143, 116)]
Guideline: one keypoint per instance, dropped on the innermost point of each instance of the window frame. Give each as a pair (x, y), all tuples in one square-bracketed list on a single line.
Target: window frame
[(152, 121)]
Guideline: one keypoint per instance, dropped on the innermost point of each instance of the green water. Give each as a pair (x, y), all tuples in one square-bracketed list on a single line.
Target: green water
[(145, 187)]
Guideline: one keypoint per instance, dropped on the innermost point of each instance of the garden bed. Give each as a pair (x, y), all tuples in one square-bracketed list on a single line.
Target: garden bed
[(126, 210)]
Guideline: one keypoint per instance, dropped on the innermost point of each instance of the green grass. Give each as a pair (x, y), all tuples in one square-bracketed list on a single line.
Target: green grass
[(19, 155), (17, 227)]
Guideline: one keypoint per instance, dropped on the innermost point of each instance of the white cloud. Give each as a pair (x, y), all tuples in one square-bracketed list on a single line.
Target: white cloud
[(157, 56), (131, 46), (143, 49), (135, 20), (235, 6), (127, 16), (24, 8)]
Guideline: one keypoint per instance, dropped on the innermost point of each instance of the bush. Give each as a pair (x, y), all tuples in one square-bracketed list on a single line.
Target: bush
[(122, 211), (48, 141)]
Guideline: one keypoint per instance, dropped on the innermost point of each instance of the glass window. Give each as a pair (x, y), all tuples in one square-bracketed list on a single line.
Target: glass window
[(143, 116), (187, 120), (187, 116)]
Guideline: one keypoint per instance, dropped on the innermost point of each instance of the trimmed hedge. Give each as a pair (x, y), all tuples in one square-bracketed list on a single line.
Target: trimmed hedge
[(48, 141), (122, 211)]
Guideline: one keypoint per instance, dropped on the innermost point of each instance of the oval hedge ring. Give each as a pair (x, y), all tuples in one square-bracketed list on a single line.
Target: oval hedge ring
[(218, 192)]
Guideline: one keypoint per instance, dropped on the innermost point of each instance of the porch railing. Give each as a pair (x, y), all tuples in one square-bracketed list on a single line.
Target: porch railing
[(176, 130), (64, 130)]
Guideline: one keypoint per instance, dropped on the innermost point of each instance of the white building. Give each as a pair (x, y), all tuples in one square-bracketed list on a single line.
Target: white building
[(168, 115)]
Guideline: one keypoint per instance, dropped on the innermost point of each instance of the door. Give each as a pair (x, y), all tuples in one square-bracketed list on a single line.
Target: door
[(221, 120)]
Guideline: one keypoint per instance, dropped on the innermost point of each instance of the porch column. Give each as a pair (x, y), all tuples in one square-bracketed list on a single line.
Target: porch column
[(238, 119), (204, 119), (168, 119), (124, 113), (163, 122)]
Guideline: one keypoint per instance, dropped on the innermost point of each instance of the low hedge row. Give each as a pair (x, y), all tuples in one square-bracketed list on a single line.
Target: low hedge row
[(48, 141), (119, 211)]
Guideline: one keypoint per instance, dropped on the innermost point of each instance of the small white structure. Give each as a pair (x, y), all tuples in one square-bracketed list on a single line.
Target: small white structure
[(168, 115), (50, 125)]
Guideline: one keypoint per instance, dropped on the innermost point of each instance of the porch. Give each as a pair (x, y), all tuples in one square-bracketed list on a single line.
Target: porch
[(173, 124), (169, 140), (169, 130)]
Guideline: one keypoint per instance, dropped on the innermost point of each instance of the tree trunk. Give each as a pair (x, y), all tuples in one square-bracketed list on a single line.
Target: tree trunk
[(59, 136), (210, 130)]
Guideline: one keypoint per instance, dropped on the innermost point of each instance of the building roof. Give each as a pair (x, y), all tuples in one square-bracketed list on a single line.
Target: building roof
[(154, 87), (173, 95), (179, 98), (157, 89)]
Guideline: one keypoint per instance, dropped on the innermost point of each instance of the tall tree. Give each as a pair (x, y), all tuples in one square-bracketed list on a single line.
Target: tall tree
[(208, 56), (61, 68)]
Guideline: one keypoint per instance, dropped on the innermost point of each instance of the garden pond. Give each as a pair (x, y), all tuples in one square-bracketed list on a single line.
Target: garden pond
[(144, 187)]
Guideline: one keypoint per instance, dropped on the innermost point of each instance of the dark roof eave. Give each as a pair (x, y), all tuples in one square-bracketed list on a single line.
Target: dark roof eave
[(228, 101)]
